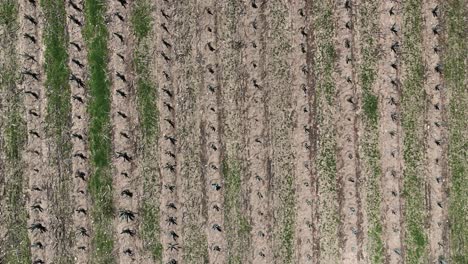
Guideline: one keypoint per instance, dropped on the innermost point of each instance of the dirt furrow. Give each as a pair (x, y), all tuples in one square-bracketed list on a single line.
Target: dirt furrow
[(124, 120), (253, 37), (211, 139), (170, 219), (348, 167), (436, 135), (80, 167), (36, 154), (304, 130), (390, 134)]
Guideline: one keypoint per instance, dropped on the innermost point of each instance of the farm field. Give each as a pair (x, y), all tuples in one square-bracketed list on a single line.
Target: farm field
[(234, 131)]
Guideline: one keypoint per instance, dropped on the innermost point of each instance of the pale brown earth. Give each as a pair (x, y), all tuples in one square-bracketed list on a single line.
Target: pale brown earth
[(80, 168), (304, 138), (124, 119), (207, 50), (256, 91), (36, 152), (258, 151), (348, 167), (170, 217), (436, 155), (390, 134)]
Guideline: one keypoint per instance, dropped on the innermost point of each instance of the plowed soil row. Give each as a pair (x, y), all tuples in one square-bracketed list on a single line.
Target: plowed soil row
[(211, 135), (124, 120), (304, 131), (170, 219), (32, 83), (436, 137), (390, 135), (253, 36), (348, 165), (77, 63)]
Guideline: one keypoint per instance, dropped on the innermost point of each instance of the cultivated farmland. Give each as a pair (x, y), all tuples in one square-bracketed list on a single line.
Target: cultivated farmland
[(235, 131)]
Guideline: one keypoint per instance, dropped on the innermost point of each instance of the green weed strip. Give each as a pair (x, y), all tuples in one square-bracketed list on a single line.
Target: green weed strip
[(58, 118), (100, 184)]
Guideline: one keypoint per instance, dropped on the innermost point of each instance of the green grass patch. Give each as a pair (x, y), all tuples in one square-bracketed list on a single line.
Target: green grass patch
[(142, 21), (56, 67), (370, 105), (146, 89), (100, 185), (58, 119), (455, 75), (413, 124), (237, 225)]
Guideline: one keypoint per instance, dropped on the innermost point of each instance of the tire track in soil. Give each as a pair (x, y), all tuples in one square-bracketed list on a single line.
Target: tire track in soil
[(78, 61), (211, 133), (170, 217), (348, 166), (304, 132), (36, 153), (259, 179), (436, 137), (390, 134), (124, 120)]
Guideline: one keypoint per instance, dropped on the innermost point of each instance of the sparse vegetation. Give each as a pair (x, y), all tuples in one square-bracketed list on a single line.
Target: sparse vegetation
[(230, 82), (237, 226), (455, 72), (370, 149), (326, 154), (413, 124), (15, 247), (142, 24)]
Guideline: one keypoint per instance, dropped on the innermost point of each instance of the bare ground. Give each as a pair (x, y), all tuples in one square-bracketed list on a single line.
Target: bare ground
[(36, 152), (390, 134), (124, 118), (436, 139), (304, 132), (208, 49), (170, 217), (260, 132), (348, 165), (80, 169), (253, 39)]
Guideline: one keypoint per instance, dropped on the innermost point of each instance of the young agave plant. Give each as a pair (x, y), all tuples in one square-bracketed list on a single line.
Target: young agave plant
[(126, 215)]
